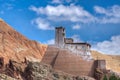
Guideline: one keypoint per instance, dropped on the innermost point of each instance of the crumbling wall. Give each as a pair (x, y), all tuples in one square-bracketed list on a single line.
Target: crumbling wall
[(101, 64), (100, 69)]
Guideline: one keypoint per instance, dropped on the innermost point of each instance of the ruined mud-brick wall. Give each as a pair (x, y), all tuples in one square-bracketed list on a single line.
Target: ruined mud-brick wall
[(69, 62)]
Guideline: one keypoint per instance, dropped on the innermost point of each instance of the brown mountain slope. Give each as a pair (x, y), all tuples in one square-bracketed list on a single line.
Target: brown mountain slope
[(15, 46), (112, 62)]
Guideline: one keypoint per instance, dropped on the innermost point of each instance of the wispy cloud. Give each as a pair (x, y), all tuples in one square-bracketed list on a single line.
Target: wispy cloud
[(76, 38), (50, 42), (109, 46), (76, 27), (64, 13), (42, 24), (74, 14), (57, 1), (8, 6), (63, 1), (111, 11), (108, 15)]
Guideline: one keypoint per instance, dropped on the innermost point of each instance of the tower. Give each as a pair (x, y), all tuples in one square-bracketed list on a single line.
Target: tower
[(59, 36)]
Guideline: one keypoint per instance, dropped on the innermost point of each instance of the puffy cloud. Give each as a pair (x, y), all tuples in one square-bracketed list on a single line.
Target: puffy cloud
[(75, 14), (111, 11), (51, 41), (64, 13), (109, 47), (42, 24), (76, 27), (108, 15)]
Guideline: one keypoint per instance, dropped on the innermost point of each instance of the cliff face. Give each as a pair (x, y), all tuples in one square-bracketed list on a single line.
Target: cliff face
[(17, 47)]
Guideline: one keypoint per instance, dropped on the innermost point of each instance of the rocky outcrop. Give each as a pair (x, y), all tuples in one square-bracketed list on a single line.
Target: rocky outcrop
[(17, 47), (13, 69), (40, 71), (35, 71), (5, 77)]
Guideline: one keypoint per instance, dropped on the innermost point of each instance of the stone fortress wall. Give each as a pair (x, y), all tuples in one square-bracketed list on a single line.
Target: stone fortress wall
[(81, 48), (70, 57)]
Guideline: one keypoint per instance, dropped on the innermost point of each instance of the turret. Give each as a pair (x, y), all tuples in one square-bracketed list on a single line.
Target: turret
[(59, 36)]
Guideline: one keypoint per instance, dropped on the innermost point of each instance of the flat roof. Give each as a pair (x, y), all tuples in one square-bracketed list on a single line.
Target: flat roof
[(60, 27), (69, 38), (84, 43)]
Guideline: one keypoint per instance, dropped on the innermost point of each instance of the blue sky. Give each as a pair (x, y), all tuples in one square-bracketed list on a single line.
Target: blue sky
[(93, 21)]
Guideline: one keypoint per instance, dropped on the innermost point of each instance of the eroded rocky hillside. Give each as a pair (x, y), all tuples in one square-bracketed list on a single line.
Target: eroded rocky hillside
[(17, 47), (36, 71)]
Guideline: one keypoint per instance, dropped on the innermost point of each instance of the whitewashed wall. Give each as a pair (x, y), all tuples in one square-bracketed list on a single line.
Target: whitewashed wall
[(79, 49)]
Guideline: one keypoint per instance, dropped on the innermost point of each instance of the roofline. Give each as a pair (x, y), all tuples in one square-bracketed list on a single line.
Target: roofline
[(69, 38), (59, 27), (81, 43)]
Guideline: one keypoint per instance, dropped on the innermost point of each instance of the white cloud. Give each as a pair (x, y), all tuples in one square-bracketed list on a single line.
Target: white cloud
[(63, 1), (108, 15), (57, 1), (109, 47), (76, 27), (111, 11), (76, 38), (64, 13), (105, 20), (51, 41), (75, 14), (42, 24)]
